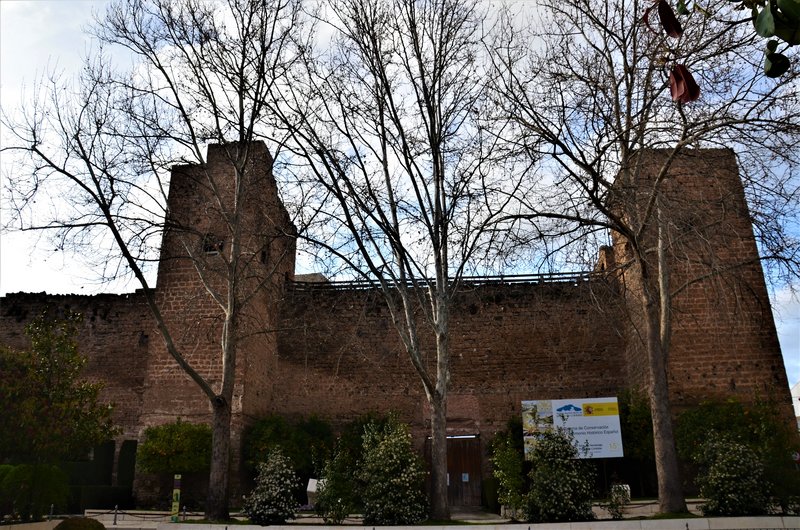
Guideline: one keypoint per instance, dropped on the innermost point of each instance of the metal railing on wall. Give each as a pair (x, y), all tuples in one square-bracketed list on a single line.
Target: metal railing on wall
[(465, 282)]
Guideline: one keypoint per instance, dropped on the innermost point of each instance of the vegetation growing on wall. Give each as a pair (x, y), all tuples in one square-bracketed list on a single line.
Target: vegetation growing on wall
[(50, 414), (177, 447)]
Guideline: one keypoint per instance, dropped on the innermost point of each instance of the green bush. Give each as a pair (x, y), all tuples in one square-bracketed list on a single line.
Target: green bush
[(618, 497), (31, 489), (507, 468), (731, 479), (793, 505), (175, 448), (80, 523), (636, 422), (561, 485), (507, 456), (340, 492), (394, 476), (307, 444), (760, 426), (337, 492), (273, 501), (5, 503), (489, 494), (50, 412)]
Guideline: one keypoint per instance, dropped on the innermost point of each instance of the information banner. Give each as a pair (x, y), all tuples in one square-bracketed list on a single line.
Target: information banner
[(176, 499), (594, 423)]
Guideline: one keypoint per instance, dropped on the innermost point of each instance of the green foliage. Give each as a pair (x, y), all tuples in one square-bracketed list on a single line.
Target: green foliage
[(32, 488), (307, 443), (561, 485), (175, 448), (80, 523), (340, 492), (636, 422), (777, 20), (759, 426), (792, 505), (5, 503), (507, 460), (272, 501), (618, 497), (49, 414), (732, 479), (394, 476)]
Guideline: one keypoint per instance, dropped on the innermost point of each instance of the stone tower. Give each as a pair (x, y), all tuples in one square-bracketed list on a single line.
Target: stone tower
[(228, 243), (724, 342)]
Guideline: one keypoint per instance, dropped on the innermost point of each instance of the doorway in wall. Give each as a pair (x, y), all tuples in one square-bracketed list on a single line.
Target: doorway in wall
[(463, 470)]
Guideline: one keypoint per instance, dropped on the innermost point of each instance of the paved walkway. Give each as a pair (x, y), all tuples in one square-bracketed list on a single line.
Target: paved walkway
[(463, 520)]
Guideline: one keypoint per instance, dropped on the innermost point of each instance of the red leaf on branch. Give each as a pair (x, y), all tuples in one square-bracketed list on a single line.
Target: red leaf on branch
[(666, 16), (682, 85)]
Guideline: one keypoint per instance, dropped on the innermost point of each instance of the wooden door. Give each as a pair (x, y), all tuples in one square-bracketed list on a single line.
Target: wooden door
[(464, 471)]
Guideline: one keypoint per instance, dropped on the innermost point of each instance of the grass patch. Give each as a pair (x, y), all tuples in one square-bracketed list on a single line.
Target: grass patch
[(678, 515), (229, 522)]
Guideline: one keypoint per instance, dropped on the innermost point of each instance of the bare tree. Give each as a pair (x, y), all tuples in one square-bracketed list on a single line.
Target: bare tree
[(387, 128), (99, 151), (588, 93)]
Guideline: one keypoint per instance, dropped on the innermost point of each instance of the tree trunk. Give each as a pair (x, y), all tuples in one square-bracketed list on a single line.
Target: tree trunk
[(670, 492), (439, 507), (217, 500)]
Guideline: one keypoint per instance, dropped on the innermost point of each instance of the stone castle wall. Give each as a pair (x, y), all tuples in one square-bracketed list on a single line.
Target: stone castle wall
[(723, 342), (334, 353), (339, 354), (115, 337)]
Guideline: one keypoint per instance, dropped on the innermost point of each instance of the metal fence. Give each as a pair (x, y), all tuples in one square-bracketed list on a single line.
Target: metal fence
[(464, 282)]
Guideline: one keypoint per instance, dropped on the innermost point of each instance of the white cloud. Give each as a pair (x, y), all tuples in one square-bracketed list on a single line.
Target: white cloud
[(35, 38), (786, 309)]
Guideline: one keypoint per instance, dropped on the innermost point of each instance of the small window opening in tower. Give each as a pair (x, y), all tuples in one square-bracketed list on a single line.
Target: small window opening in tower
[(212, 245), (265, 253)]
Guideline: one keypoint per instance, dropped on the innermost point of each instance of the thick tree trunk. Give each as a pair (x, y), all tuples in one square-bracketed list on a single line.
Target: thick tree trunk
[(439, 507), (217, 508), (670, 491)]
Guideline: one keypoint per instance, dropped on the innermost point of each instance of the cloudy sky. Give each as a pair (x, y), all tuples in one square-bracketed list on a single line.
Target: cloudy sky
[(39, 35)]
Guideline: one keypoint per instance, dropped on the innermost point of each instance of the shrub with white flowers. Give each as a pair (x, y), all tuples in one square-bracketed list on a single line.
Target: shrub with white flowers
[(732, 479), (562, 485), (272, 500), (394, 476), (618, 497)]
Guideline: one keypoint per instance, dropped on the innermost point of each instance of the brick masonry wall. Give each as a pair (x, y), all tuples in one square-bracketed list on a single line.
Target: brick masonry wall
[(724, 342), (115, 336), (201, 204), (336, 354), (339, 355)]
